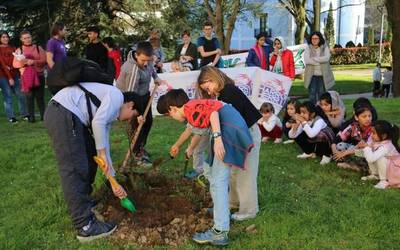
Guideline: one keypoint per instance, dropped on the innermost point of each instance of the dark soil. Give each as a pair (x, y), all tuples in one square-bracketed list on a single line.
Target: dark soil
[(168, 212)]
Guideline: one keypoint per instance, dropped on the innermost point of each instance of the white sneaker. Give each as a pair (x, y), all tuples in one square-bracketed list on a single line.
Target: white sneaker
[(278, 140), (369, 177), (325, 160), (242, 217), (381, 185), (306, 156), (288, 141)]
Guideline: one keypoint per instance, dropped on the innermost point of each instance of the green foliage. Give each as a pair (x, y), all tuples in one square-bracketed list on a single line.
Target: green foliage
[(330, 28), (361, 55), (371, 36)]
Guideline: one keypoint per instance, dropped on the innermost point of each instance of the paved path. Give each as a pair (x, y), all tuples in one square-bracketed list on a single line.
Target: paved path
[(355, 96), (354, 72)]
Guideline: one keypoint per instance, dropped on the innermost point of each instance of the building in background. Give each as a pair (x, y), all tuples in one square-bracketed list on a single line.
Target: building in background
[(349, 18)]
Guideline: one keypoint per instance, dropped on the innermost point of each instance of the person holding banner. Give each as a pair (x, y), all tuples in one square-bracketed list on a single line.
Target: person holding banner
[(259, 55), (282, 61), (209, 47), (318, 75), (243, 194)]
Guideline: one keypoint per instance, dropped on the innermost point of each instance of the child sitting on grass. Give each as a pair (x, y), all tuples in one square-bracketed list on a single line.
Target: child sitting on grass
[(333, 108), (382, 155), (270, 124), (346, 141), (360, 102), (230, 144), (292, 108), (312, 134)]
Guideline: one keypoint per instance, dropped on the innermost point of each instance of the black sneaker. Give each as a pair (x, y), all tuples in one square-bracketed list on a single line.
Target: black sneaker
[(95, 230), (13, 120)]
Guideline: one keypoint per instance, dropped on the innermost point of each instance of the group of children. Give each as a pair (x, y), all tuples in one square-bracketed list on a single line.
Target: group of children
[(361, 143)]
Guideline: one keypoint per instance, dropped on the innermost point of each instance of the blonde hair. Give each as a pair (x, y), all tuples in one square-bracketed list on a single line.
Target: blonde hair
[(211, 73)]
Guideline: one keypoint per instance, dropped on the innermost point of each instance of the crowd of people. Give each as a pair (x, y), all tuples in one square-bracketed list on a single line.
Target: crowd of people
[(221, 120)]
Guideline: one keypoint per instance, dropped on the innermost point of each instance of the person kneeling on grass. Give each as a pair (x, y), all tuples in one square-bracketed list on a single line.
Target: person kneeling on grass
[(230, 144), (382, 155), (312, 134), (270, 124), (76, 137)]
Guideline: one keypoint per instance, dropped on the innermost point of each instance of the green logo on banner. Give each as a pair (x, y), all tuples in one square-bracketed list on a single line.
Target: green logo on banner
[(230, 63)]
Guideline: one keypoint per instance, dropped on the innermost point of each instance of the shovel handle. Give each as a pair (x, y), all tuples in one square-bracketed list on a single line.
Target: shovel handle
[(114, 184), (136, 136)]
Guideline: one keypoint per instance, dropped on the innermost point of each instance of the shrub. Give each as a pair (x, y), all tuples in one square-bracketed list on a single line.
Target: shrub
[(358, 55), (350, 44)]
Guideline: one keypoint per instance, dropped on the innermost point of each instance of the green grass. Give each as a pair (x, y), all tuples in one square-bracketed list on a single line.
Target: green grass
[(303, 205), (369, 66), (344, 84)]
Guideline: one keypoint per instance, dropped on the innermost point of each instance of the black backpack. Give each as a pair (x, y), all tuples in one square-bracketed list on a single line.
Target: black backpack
[(71, 71)]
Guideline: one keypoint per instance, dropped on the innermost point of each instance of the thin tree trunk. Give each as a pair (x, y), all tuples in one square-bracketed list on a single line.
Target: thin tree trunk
[(317, 15), (230, 25), (393, 9)]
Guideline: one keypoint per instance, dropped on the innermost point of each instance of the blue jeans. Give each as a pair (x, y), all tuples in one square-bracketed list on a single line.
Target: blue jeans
[(316, 88), (218, 176), (7, 91)]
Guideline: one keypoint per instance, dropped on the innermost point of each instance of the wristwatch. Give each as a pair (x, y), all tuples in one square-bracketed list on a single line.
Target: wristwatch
[(216, 135)]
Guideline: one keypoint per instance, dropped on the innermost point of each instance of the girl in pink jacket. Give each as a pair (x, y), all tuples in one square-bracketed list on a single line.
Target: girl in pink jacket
[(382, 155)]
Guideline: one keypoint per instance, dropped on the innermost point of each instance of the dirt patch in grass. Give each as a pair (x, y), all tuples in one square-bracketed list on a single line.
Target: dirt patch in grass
[(168, 212)]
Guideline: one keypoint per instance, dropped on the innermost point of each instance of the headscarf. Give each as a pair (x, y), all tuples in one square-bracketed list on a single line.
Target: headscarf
[(278, 68)]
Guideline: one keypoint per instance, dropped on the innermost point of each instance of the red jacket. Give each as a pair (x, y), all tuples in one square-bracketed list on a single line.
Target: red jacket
[(287, 63), (115, 55)]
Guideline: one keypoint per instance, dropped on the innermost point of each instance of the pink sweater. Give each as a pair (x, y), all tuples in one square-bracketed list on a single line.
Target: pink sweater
[(31, 52)]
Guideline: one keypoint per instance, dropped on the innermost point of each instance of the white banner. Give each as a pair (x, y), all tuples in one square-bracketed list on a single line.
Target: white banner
[(258, 85), (239, 60)]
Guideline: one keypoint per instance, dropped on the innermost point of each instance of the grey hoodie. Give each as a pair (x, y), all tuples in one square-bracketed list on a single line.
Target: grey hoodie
[(139, 80)]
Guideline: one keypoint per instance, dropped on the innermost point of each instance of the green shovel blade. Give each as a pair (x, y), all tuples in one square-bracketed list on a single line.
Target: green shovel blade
[(128, 204)]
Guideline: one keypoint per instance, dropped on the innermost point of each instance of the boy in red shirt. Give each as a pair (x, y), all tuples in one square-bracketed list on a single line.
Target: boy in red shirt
[(231, 142)]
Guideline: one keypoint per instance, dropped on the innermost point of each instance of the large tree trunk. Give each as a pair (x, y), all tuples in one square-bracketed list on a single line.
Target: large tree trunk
[(300, 31), (230, 25), (317, 15), (393, 9)]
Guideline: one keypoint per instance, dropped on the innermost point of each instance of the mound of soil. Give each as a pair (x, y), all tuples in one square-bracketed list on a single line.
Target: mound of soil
[(168, 212)]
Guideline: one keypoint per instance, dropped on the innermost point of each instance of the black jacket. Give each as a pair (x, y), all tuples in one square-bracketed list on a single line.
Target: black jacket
[(191, 51)]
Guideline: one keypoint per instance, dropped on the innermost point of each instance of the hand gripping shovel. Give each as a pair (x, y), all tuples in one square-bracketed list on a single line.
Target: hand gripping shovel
[(125, 202)]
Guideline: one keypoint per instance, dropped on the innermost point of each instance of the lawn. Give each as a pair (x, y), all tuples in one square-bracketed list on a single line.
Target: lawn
[(303, 205), (344, 84)]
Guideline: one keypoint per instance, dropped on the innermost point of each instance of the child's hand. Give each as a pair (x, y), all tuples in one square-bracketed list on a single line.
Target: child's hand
[(174, 150), (219, 149), (339, 155), (361, 145), (119, 191), (288, 125), (189, 152)]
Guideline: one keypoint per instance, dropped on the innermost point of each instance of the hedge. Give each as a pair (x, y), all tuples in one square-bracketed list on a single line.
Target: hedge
[(358, 55)]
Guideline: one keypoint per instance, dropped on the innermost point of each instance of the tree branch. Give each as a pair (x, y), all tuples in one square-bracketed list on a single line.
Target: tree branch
[(210, 11)]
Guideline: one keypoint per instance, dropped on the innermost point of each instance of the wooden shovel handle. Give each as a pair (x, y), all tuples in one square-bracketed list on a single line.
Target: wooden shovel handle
[(139, 128)]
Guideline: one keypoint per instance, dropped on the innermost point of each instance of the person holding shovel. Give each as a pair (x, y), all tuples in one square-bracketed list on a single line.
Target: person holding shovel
[(77, 138), (135, 76)]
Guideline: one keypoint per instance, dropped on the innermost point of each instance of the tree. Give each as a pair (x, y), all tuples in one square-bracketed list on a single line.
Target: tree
[(371, 36), (330, 28), (393, 9), (297, 8), (317, 15), (223, 15)]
